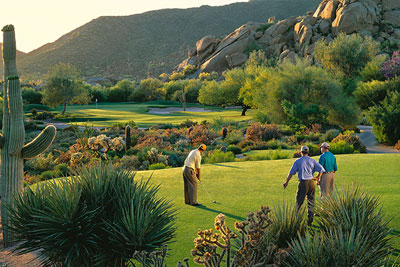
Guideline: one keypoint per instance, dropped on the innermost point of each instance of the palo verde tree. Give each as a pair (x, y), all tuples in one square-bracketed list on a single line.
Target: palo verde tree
[(64, 86), (13, 150), (301, 95)]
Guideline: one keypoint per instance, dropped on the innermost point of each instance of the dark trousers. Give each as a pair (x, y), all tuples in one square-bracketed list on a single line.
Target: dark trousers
[(190, 185), (306, 188)]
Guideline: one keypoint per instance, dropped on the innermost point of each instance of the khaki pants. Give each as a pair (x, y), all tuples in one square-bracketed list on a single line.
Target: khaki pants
[(190, 185), (306, 188), (327, 183)]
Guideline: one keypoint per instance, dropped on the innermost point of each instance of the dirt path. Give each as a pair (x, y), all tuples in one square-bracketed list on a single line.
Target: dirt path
[(368, 138)]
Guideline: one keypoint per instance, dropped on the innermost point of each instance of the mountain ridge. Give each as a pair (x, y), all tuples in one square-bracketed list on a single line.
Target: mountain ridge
[(147, 44)]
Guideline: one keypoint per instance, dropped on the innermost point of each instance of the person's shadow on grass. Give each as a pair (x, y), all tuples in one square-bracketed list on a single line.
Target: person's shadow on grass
[(219, 211)]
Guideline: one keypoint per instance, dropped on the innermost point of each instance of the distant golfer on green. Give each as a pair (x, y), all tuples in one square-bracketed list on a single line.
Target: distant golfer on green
[(305, 167), (328, 161), (191, 171)]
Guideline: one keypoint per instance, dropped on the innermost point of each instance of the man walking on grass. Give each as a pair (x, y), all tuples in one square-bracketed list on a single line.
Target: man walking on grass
[(191, 171), (328, 161), (305, 167)]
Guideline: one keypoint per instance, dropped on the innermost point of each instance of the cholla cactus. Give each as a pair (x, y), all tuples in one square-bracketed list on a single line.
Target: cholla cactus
[(13, 150), (118, 144), (252, 231)]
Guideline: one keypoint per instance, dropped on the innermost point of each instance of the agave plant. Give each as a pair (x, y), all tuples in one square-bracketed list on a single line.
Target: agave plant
[(99, 217)]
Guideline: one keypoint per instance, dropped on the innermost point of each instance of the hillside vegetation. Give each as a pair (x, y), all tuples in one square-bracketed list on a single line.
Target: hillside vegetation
[(153, 42)]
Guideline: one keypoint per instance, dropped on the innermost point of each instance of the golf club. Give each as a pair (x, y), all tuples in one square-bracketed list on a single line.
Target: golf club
[(213, 201)]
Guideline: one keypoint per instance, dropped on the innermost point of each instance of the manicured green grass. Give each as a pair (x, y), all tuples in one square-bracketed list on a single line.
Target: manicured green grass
[(106, 114), (240, 187)]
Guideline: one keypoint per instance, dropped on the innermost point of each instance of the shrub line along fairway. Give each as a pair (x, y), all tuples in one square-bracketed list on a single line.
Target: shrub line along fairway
[(240, 187), (106, 114)]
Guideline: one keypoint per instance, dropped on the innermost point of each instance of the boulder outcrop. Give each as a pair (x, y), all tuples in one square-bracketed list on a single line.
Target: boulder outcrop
[(291, 38)]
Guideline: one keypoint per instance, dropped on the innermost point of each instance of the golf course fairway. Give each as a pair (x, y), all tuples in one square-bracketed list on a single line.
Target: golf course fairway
[(240, 187)]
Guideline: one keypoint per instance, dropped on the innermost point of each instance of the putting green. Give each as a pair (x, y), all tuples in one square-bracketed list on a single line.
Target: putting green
[(240, 187)]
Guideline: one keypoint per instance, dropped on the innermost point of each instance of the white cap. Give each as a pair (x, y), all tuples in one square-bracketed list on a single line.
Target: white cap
[(304, 149), (325, 144)]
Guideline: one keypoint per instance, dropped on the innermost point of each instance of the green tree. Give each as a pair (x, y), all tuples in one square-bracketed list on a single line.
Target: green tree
[(64, 86), (301, 94), (150, 89), (31, 96), (385, 118), (121, 91), (346, 55), (226, 92)]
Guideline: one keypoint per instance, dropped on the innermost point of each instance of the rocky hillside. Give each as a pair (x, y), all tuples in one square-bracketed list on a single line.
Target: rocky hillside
[(150, 43), (296, 36)]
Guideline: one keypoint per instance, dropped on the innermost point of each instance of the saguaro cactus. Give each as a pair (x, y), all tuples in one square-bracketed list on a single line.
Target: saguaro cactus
[(13, 150), (127, 137)]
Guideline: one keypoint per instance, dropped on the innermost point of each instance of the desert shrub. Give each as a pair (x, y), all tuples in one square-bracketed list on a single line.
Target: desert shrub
[(31, 96), (372, 71), (47, 175), (176, 76), (61, 169), (372, 93), (352, 139), (234, 137), (187, 123), (150, 140), (234, 149), (264, 27), (44, 115), (270, 131), (41, 163), (100, 217), (157, 166), (308, 251), (397, 145), (269, 155), (391, 68), (129, 162), (254, 132), (341, 147), (218, 156), (201, 134), (329, 135), (385, 119), (189, 69)]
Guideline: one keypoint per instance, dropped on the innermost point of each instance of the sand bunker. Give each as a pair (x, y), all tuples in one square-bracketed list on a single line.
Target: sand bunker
[(175, 109)]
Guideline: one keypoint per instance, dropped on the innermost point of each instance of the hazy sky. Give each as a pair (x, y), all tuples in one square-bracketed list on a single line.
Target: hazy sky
[(38, 22)]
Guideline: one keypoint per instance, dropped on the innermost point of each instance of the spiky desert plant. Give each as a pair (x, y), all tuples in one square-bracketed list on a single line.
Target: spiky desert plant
[(98, 217), (13, 150), (127, 137)]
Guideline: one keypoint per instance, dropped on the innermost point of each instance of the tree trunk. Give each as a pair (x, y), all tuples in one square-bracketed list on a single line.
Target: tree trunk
[(183, 98), (245, 108), (65, 107)]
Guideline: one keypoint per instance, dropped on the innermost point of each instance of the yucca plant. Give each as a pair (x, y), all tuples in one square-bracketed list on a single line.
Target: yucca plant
[(307, 251), (353, 232), (287, 223), (350, 209), (98, 217)]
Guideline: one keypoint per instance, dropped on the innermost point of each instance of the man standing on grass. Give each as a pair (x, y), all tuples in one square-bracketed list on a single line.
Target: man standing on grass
[(191, 171), (328, 161), (305, 167)]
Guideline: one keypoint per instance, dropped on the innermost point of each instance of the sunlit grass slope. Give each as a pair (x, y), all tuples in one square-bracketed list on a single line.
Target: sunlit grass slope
[(240, 187)]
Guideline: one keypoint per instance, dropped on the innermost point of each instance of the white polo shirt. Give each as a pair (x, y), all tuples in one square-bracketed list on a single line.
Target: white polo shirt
[(193, 160)]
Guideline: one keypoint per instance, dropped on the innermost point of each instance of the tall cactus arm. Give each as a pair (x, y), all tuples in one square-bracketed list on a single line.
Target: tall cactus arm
[(40, 143)]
